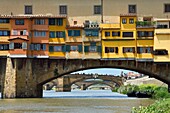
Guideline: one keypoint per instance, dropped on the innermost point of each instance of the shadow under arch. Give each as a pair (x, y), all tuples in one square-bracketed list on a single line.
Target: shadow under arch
[(149, 73)]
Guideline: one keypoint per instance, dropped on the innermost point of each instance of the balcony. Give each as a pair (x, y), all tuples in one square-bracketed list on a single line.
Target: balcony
[(145, 24)]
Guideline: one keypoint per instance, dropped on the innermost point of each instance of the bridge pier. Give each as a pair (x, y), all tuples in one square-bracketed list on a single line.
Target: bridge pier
[(63, 84), (19, 81), (83, 87)]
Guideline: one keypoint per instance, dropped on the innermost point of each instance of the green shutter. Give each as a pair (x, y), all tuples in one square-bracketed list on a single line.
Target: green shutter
[(64, 34), (64, 48), (80, 48), (67, 48), (86, 48), (51, 48), (99, 49)]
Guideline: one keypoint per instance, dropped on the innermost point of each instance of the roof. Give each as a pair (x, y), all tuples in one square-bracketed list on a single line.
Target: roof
[(32, 16), (18, 38)]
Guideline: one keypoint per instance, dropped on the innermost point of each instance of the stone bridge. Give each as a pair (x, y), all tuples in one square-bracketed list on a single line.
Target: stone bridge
[(64, 83), (24, 77)]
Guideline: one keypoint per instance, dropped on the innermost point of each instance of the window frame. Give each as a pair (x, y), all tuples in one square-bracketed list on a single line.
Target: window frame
[(132, 6), (165, 10), (28, 9), (97, 9), (124, 20), (63, 7), (19, 22)]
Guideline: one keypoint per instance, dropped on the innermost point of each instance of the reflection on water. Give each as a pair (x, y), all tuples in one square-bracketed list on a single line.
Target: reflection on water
[(73, 102)]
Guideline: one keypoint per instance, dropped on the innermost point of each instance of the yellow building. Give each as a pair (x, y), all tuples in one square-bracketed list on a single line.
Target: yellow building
[(74, 45), (119, 40), (161, 41), (5, 27), (57, 36), (145, 38)]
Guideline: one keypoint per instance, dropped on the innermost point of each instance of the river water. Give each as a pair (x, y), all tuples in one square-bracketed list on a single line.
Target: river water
[(89, 101)]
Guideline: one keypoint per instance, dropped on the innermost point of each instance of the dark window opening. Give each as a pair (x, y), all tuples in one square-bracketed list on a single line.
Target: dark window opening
[(127, 34), (166, 8), (17, 45), (63, 9), (28, 9), (97, 9), (161, 52), (132, 8), (111, 49)]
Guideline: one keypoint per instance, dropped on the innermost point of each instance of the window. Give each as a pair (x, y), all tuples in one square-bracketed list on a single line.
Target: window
[(15, 32), (63, 9), (107, 34), (4, 33), (128, 49), (73, 32), (19, 22), (38, 47), (28, 9), (116, 33), (92, 48), (60, 34), (92, 32), (111, 49), (52, 34), (132, 8), (39, 33), (97, 9), (145, 33), (57, 48), (131, 21), (4, 46), (161, 52), (59, 21), (167, 8), (39, 21), (127, 34), (17, 45), (124, 20), (53, 21), (144, 50), (24, 32), (3, 20), (74, 48)]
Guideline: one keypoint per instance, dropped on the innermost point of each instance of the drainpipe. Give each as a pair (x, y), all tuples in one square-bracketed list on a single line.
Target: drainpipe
[(101, 11)]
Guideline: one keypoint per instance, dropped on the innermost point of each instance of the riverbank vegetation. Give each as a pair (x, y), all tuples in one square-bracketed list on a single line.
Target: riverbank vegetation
[(159, 93)]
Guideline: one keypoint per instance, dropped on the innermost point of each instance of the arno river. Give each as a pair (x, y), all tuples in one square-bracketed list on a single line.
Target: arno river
[(89, 101)]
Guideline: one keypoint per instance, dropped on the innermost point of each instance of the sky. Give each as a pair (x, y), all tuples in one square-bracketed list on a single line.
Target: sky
[(111, 71)]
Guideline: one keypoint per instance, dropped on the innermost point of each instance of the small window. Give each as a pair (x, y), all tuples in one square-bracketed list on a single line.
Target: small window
[(131, 21), (128, 49), (74, 48), (3, 20), (57, 48), (116, 33), (167, 8), (97, 9), (39, 21), (127, 34), (111, 49), (52, 34), (144, 50), (63, 9), (132, 8), (19, 22), (28, 9), (92, 48), (107, 34), (124, 20)]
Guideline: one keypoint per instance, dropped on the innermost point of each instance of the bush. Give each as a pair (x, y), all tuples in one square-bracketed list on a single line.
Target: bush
[(161, 106)]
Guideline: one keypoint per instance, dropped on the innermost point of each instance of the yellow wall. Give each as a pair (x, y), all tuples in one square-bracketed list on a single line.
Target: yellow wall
[(56, 54), (161, 41), (120, 44), (128, 26), (110, 37)]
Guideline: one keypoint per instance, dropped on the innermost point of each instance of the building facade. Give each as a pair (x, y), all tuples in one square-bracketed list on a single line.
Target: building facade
[(79, 29)]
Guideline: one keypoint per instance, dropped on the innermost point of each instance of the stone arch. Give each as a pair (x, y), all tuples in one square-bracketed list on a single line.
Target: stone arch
[(100, 83)]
